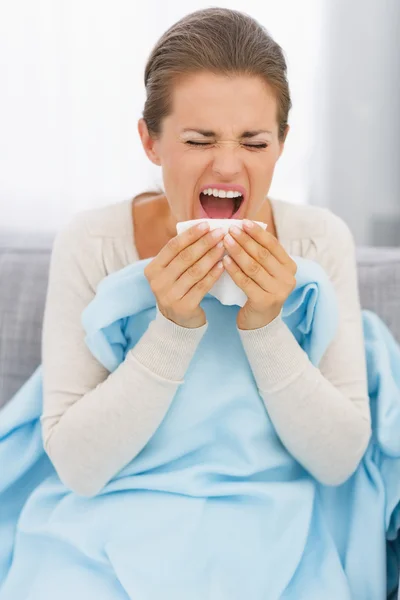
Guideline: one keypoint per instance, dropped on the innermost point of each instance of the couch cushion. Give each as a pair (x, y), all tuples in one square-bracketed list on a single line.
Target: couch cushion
[(379, 282), (24, 265)]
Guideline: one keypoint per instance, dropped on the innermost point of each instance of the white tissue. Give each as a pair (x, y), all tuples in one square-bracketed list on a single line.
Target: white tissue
[(225, 289)]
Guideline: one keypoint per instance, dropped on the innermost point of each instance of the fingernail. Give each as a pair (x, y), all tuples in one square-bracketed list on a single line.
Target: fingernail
[(217, 233), (235, 229), (203, 226), (229, 240), (248, 223)]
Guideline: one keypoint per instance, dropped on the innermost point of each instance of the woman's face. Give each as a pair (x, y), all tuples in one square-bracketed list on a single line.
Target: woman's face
[(235, 120)]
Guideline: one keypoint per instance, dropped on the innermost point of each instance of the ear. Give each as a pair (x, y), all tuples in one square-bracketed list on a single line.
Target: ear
[(282, 143), (148, 143)]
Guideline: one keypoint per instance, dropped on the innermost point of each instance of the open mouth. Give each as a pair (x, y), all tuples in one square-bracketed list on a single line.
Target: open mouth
[(220, 208)]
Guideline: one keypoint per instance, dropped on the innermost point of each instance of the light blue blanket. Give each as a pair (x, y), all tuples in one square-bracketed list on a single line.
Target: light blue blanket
[(214, 507)]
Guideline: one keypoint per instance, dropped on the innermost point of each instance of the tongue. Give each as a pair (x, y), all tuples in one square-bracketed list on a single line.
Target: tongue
[(218, 208)]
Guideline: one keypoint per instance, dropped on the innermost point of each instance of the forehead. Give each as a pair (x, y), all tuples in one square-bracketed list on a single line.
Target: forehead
[(217, 102)]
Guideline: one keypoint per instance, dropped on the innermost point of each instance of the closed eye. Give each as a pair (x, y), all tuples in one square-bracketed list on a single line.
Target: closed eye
[(191, 143)]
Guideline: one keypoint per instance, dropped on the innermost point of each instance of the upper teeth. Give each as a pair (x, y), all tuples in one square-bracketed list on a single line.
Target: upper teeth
[(221, 193)]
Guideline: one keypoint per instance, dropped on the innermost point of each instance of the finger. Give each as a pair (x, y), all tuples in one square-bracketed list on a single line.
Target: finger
[(195, 295), (260, 254), (250, 267), (270, 242), (166, 276), (179, 243), (189, 256), (197, 272), (252, 290)]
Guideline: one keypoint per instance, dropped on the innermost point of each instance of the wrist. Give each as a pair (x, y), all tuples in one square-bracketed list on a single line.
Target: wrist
[(257, 321), (194, 323)]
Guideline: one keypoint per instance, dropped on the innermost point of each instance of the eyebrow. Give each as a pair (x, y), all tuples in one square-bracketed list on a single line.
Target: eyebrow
[(208, 133)]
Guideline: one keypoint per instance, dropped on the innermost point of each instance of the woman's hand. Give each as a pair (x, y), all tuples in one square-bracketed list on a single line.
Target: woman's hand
[(184, 271), (261, 267)]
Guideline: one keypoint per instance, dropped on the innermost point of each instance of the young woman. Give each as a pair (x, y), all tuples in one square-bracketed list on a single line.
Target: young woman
[(215, 120)]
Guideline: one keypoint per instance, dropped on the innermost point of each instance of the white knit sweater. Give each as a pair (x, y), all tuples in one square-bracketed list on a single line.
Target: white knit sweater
[(95, 422)]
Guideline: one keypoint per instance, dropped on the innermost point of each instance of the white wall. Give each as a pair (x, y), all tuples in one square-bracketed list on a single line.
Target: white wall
[(72, 91), (356, 156)]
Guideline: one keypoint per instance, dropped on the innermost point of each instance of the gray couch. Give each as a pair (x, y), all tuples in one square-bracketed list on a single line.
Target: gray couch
[(24, 264)]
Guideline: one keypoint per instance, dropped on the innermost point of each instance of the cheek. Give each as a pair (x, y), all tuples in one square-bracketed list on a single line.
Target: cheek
[(183, 161), (268, 164), (260, 175), (268, 170), (193, 159), (261, 170), (181, 172)]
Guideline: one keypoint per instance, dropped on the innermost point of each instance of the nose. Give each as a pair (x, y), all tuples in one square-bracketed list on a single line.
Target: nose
[(227, 163)]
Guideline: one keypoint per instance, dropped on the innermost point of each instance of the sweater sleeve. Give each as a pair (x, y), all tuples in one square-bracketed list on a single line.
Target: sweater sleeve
[(95, 422), (321, 415)]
